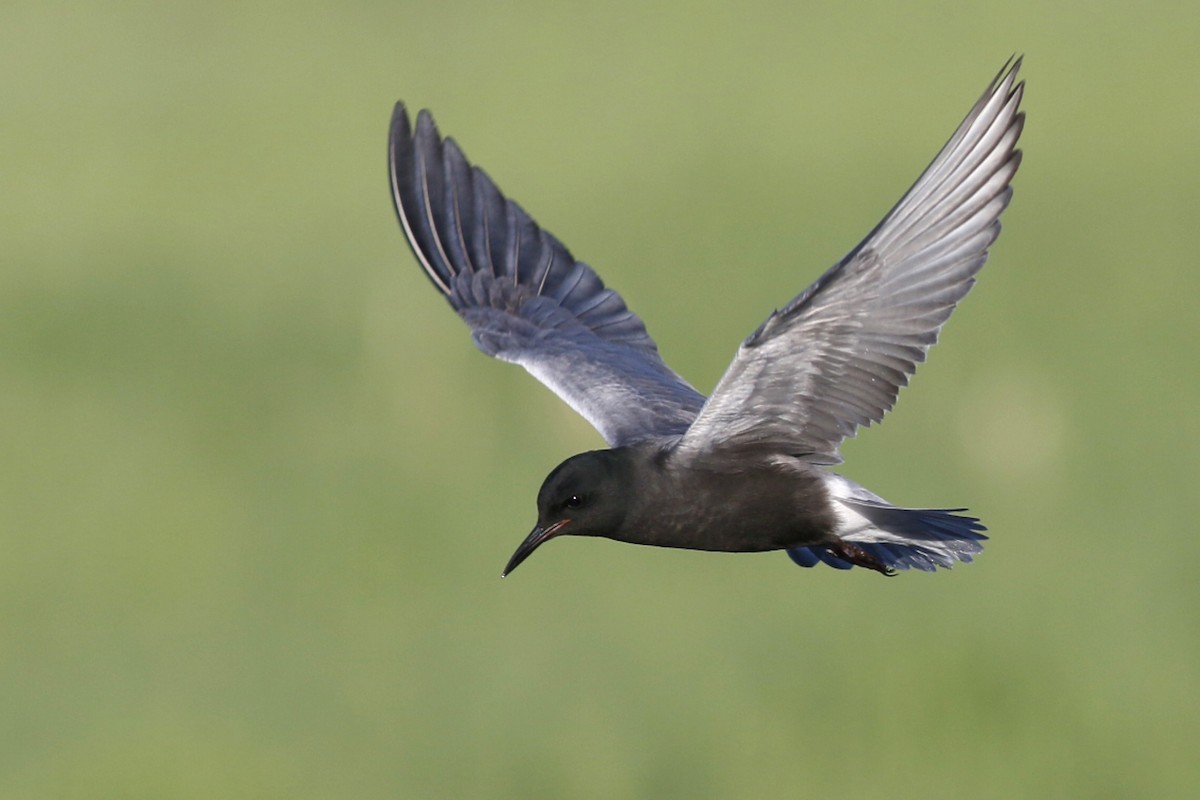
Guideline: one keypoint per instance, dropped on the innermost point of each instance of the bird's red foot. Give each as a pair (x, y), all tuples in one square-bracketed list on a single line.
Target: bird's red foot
[(861, 558)]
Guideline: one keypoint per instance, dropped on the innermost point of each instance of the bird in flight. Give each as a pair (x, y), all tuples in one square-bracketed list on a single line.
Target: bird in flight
[(746, 469)]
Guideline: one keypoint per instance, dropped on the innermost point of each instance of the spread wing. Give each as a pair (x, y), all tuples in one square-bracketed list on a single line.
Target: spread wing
[(836, 356), (525, 297)]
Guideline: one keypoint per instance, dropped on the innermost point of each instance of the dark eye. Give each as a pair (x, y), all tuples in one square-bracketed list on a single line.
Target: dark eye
[(574, 501)]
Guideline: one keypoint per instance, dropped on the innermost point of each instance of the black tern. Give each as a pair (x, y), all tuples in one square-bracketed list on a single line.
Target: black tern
[(745, 469)]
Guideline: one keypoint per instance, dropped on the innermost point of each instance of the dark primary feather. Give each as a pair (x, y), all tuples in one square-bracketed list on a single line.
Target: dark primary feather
[(836, 357), (525, 297)]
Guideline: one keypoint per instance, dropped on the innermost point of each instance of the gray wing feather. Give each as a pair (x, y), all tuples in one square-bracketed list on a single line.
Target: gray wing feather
[(836, 357), (525, 297)]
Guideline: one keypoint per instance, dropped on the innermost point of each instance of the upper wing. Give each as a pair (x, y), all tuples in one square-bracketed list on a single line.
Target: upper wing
[(525, 297), (836, 356)]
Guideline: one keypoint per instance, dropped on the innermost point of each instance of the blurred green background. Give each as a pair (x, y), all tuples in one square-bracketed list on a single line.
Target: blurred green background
[(258, 486)]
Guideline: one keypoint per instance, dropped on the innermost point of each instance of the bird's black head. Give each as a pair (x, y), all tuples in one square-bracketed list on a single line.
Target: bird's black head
[(586, 495)]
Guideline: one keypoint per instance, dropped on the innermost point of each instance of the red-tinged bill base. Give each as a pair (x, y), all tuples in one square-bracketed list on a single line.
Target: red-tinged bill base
[(531, 543)]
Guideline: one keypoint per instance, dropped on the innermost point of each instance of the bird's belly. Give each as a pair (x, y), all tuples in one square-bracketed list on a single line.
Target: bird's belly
[(743, 531), (741, 513)]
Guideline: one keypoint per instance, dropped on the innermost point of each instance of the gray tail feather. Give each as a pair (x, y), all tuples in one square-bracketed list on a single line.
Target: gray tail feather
[(931, 538)]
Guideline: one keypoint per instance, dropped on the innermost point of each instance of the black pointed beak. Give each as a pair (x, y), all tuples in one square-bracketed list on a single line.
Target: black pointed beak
[(531, 543)]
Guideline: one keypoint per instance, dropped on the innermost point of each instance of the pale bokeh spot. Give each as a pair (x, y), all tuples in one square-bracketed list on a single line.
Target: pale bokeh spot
[(1015, 422)]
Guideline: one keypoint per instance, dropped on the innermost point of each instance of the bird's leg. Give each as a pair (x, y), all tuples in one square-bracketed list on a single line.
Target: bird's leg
[(861, 558)]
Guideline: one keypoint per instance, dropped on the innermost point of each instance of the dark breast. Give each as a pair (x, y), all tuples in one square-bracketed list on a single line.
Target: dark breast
[(764, 505)]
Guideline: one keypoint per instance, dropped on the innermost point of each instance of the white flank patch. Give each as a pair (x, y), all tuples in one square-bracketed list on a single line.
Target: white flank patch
[(854, 527)]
